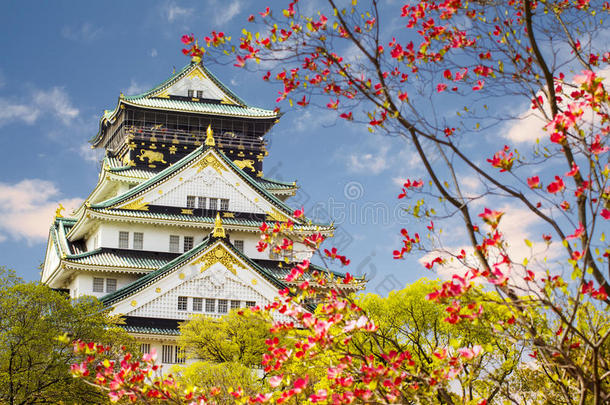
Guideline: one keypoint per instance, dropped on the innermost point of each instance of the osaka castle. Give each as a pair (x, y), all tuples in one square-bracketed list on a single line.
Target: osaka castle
[(171, 228)]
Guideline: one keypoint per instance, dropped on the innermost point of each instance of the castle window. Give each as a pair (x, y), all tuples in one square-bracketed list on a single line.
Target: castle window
[(174, 243), (191, 93), (123, 240), (167, 354), (250, 304), (179, 355), (235, 304), (201, 202), (98, 285), (144, 348), (210, 305), (188, 243), (239, 245), (197, 304), (224, 204), (213, 204), (190, 201), (182, 303), (199, 93), (223, 306), (138, 240), (110, 285)]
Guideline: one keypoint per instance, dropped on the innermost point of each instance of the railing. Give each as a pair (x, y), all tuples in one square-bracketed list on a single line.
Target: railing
[(226, 139)]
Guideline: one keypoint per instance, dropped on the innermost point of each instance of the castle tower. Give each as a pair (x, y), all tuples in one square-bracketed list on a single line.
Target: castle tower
[(171, 228)]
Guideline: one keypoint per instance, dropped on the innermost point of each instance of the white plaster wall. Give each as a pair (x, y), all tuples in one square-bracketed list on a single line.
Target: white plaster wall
[(210, 90), (156, 238), (82, 283), (51, 260), (216, 282), (207, 183)]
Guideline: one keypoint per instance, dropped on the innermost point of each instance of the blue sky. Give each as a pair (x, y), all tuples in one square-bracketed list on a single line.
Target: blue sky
[(63, 63)]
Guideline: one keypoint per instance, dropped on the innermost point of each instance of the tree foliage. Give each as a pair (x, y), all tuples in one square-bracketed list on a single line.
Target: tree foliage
[(34, 358), (442, 81)]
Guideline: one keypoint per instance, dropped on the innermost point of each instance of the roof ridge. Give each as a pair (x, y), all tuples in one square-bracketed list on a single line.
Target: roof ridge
[(162, 84), (136, 285), (167, 171), (153, 274), (183, 162)]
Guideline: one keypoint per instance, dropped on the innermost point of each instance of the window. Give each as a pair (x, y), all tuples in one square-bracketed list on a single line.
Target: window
[(188, 243), (182, 303), (110, 285), (197, 304), (213, 204), (224, 204), (123, 240), (199, 93), (174, 243), (223, 306), (191, 93), (144, 348), (210, 305), (201, 202), (167, 354), (190, 201), (235, 304), (138, 240), (239, 245), (98, 284), (179, 355), (250, 304)]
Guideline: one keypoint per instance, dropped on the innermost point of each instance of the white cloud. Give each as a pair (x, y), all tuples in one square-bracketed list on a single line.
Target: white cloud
[(54, 102), (373, 163), (224, 14), (175, 12), (27, 209), (530, 123), (90, 155), (85, 33), (135, 88), (153, 52), (14, 111)]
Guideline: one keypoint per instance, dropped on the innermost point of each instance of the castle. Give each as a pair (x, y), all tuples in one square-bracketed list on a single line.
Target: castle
[(172, 226)]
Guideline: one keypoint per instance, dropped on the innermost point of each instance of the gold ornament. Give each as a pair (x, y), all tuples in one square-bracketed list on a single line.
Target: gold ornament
[(209, 140), (136, 205), (221, 255), (219, 231)]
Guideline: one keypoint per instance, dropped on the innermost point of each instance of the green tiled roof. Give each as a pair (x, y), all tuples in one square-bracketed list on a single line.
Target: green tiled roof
[(183, 72), (198, 219), (123, 259), (271, 184), (281, 272), (183, 163), (149, 330), (242, 109), (143, 281), (199, 107)]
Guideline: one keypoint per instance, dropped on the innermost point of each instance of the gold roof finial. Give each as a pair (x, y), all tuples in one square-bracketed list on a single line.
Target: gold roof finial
[(59, 210), (209, 140), (219, 231)]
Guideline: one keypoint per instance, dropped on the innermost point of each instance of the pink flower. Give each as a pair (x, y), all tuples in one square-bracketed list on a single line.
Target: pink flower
[(276, 380), (556, 186), (533, 182)]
